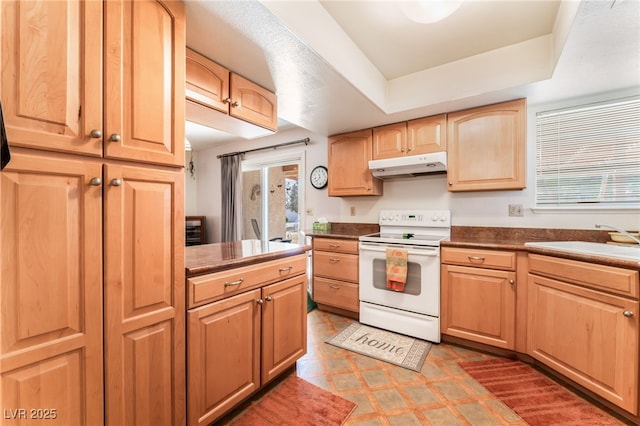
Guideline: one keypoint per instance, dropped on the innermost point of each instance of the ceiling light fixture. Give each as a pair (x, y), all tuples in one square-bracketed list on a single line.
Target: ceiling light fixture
[(429, 11)]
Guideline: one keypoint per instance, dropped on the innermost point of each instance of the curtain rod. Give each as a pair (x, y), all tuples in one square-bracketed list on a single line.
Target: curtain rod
[(230, 154)]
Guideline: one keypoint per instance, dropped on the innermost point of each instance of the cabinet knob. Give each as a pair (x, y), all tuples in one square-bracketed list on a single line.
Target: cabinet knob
[(512, 282), (268, 299), (95, 181), (628, 314), (95, 134), (402, 149), (115, 138), (235, 104), (450, 183), (226, 101), (116, 182), (260, 302)]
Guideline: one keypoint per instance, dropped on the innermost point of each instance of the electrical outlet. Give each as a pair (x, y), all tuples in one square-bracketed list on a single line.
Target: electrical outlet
[(516, 210), (353, 211), (309, 212)]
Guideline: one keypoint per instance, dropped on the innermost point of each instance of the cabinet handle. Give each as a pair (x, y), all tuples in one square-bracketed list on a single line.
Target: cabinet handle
[(268, 299), (95, 134), (235, 104), (95, 181), (512, 282), (450, 183), (232, 283), (115, 138), (116, 182), (260, 302), (226, 101), (334, 260), (628, 314), (476, 258), (402, 149), (334, 245), (335, 287), (286, 269)]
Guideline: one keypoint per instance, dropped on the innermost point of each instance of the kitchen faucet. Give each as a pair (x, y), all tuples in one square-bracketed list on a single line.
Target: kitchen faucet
[(619, 230)]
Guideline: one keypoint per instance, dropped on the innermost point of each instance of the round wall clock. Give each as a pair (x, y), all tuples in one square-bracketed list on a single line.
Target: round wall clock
[(319, 177)]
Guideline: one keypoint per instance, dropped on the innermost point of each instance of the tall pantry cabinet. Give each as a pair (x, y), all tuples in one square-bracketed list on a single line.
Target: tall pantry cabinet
[(92, 212)]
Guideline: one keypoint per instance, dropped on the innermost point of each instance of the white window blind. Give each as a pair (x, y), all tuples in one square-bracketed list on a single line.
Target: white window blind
[(589, 155)]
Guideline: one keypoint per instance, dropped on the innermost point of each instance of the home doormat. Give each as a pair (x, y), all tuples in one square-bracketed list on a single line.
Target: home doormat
[(387, 346), (533, 396), (296, 402)]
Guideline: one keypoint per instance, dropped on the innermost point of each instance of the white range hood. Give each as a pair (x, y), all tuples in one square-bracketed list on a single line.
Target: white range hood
[(409, 166)]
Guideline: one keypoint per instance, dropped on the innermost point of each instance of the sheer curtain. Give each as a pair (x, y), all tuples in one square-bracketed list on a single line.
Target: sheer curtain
[(231, 205)]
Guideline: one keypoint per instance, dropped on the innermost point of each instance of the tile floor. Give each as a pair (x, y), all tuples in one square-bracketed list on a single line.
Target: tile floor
[(441, 394)]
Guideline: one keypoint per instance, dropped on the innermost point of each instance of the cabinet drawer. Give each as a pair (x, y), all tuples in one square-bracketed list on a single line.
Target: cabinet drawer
[(493, 259), (336, 245), (210, 287), (600, 277), (336, 293), (336, 265)]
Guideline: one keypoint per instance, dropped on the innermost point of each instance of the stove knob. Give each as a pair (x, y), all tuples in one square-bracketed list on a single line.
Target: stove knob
[(434, 218), (443, 218)]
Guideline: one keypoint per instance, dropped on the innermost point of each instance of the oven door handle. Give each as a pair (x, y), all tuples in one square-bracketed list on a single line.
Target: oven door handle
[(423, 251)]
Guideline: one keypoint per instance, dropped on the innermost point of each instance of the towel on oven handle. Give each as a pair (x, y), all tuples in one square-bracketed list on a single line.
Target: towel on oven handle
[(396, 268)]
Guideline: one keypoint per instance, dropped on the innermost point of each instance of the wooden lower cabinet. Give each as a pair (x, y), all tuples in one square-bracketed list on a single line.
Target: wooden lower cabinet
[(587, 335), (336, 274), (144, 295), (238, 344), (478, 301), (51, 293)]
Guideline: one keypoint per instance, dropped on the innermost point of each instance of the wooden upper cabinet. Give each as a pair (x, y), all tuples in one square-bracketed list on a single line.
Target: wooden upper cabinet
[(212, 89), (207, 82), (420, 136), (428, 134), (349, 155), (253, 103), (486, 147), (51, 86), (144, 81)]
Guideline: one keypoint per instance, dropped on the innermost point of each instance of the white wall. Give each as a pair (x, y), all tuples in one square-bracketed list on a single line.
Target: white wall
[(485, 208)]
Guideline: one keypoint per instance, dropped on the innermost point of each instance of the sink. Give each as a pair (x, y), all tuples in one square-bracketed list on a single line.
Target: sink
[(593, 249)]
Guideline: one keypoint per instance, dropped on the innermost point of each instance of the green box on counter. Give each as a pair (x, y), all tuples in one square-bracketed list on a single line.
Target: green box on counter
[(325, 227)]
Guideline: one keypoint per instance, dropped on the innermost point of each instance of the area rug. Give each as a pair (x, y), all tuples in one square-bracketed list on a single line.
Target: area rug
[(533, 396), (384, 345), (297, 402)]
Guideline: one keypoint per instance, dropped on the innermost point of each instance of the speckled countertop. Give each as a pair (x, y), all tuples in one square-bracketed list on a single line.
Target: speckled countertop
[(514, 239), (208, 258)]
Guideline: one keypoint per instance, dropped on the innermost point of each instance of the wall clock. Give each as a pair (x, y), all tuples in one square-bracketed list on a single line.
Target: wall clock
[(319, 177)]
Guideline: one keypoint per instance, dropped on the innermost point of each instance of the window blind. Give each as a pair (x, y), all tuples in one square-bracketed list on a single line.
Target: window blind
[(589, 155)]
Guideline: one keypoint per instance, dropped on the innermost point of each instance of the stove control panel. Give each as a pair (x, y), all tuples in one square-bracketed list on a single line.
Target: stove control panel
[(424, 218)]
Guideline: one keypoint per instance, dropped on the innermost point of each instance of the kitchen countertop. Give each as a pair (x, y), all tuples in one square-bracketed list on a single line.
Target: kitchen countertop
[(346, 231), (208, 258), (515, 238)]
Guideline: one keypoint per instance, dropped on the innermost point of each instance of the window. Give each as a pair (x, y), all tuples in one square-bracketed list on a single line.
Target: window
[(589, 156)]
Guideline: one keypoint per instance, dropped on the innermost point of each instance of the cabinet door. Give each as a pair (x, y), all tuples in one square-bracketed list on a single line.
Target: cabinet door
[(253, 103), (486, 147), (349, 156), (144, 295), (207, 83), (144, 81), (427, 134), (224, 355), (390, 141), (284, 325), (585, 335), (479, 305), (51, 293), (51, 86)]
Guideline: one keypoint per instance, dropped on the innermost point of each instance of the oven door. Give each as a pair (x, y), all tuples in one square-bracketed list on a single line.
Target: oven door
[(422, 290)]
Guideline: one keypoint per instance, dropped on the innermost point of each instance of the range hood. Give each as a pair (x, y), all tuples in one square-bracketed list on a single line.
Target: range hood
[(409, 166)]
